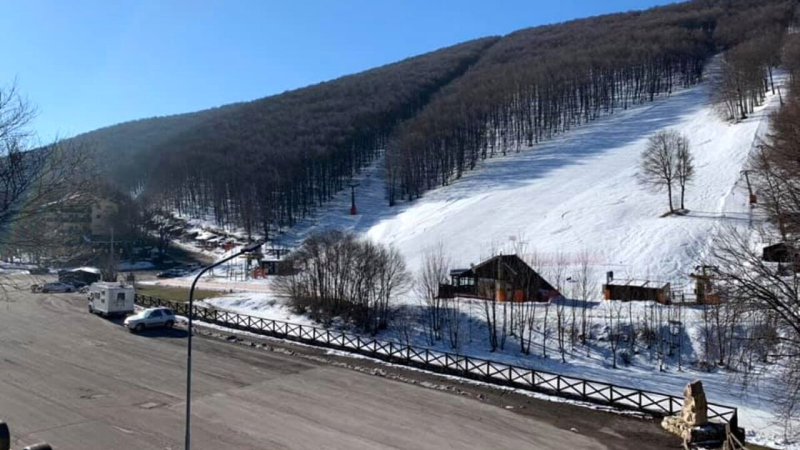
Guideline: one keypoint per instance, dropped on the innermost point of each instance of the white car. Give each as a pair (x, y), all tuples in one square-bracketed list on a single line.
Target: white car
[(57, 287), (150, 318)]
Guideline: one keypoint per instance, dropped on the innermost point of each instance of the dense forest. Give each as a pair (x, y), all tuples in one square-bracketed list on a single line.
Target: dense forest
[(539, 82), (264, 164), (271, 161)]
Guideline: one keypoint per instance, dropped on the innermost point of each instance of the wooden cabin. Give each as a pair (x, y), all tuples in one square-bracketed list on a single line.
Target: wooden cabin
[(632, 290), (501, 278)]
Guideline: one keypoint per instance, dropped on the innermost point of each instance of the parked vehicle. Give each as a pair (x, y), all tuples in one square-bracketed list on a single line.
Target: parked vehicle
[(39, 271), (57, 287), (150, 318), (111, 299), (171, 273)]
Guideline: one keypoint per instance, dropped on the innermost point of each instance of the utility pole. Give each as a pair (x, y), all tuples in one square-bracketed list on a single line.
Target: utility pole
[(749, 187), (353, 210)]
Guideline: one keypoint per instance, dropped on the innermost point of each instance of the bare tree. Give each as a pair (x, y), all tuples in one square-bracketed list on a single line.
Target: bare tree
[(545, 329), (434, 272), (35, 180), (585, 282), (404, 320), (340, 275), (613, 319), (659, 161), (490, 315), (684, 165), (157, 222), (756, 289), (526, 311)]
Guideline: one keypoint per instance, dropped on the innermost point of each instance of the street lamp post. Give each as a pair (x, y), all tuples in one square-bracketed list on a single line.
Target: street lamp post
[(246, 249)]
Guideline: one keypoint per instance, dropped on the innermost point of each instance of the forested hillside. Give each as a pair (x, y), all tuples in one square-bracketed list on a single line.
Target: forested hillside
[(266, 163), (539, 82), (272, 160), (120, 148)]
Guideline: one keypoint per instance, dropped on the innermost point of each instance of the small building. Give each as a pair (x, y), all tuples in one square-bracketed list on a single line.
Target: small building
[(86, 275), (501, 278), (780, 253), (206, 240), (632, 290), (82, 217), (276, 267)]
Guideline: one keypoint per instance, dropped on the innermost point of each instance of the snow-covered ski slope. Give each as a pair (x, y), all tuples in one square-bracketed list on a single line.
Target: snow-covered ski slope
[(576, 193), (580, 192)]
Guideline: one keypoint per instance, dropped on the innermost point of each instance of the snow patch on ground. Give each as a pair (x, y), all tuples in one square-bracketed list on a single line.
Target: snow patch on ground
[(262, 305)]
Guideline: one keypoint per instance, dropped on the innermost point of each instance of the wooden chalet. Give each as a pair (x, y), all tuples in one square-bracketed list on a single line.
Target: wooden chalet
[(501, 278)]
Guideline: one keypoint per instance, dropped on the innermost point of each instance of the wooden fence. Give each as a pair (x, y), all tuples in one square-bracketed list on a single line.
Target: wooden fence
[(597, 392)]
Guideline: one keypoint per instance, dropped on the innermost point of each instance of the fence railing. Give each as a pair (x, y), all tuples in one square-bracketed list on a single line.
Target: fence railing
[(598, 392)]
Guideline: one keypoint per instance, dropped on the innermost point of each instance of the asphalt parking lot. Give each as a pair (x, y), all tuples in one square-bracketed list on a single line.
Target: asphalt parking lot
[(82, 382)]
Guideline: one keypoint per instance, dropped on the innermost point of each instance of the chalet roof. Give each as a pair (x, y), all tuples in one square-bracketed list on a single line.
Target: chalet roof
[(507, 259), (205, 235), (513, 266), (777, 246), (650, 284)]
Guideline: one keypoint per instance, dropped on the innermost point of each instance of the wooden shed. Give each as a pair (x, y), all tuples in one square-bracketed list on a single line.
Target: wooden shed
[(642, 290), (501, 278)]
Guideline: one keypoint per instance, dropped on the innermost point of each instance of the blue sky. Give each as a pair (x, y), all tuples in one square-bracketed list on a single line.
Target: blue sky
[(88, 64)]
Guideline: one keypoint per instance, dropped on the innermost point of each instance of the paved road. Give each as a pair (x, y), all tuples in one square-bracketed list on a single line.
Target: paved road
[(215, 284), (81, 382)]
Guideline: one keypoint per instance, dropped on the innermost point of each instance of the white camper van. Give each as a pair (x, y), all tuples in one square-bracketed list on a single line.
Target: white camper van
[(109, 299)]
